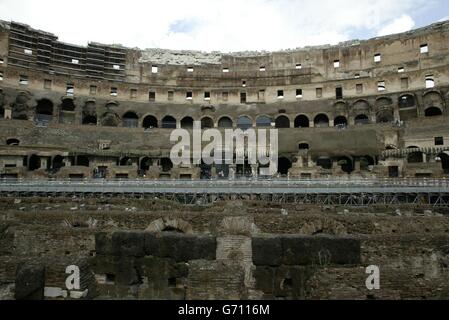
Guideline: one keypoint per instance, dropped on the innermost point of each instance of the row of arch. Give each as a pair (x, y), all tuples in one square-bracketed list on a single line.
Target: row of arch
[(361, 115)]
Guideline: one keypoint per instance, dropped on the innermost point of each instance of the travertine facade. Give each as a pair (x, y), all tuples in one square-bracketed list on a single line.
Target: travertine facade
[(374, 107)]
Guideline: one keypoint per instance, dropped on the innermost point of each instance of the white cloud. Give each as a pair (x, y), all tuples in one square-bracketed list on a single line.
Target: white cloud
[(228, 25), (402, 24)]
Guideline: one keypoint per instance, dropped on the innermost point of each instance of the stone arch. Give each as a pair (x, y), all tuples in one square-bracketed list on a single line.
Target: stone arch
[(383, 102), (225, 122), (145, 163), (341, 108), (57, 162), (90, 113), (20, 107), (170, 225), (125, 162), (341, 121), (433, 98), (149, 122), (207, 123), (361, 119), (385, 116), (361, 106), (407, 101), (346, 164), (302, 121), (433, 112), (282, 122), (12, 142), (263, 121), (187, 123), (244, 122), (130, 119), (321, 120), (168, 122), (34, 162), (416, 156), (444, 158), (44, 110), (110, 119), (67, 105)]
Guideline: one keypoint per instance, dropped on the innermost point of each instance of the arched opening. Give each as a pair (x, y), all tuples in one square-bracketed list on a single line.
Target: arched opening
[(385, 116), (324, 162), (90, 120), (282, 122), (68, 105), (366, 162), (341, 122), (433, 112), (321, 121), (361, 119), (169, 122), (303, 146), (406, 101), (130, 120), (44, 110), (58, 163), (263, 122), (110, 119), (13, 142), (125, 162), (166, 164), (207, 123), (34, 163), (82, 161), (346, 164), (444, 158), (2, 112), (244, 123), (284, 165), (415, 156), (302, 122), (145, 164), (149, 122), (187, 123), (225, 122)]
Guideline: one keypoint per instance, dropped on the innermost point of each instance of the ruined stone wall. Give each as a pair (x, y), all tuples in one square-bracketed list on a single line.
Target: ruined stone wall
[(224, 251)]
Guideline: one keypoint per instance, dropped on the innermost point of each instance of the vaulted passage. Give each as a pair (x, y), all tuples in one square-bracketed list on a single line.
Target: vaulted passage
[(433, 112), (225, 122), (321, 121), (149, 122), (302, 122), (244, 123), (44, 110), (169, 122), (341, 121), (282, 122), (90, 120), (207, 123), (187, 123), (130, 120), (361, 119)]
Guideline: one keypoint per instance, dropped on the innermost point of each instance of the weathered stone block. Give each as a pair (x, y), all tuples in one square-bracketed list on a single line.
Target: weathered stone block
[(128, 244), (30, 282), (299, 250), (267, 251), (103, 243)]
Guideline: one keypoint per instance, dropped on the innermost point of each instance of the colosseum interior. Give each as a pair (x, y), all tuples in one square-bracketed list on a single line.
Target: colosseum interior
[(363, 110)]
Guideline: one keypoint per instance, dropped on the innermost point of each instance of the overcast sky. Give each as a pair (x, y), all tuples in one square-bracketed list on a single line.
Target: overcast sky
[(222, 25)]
